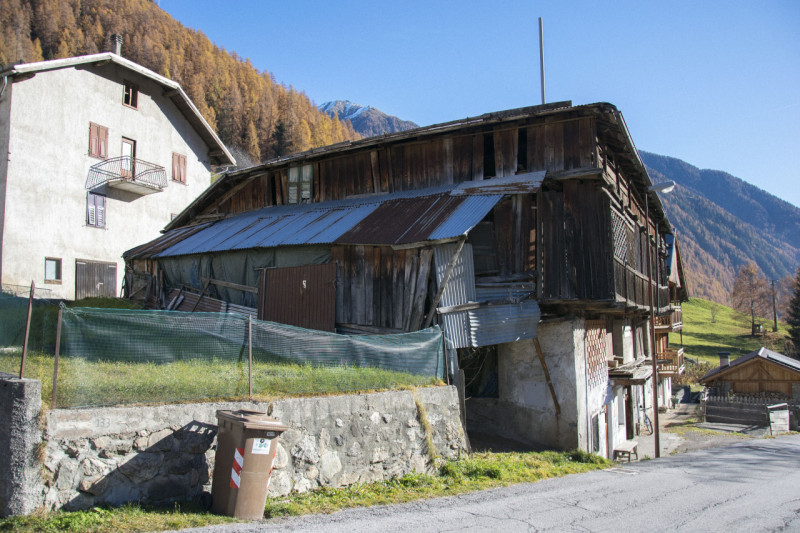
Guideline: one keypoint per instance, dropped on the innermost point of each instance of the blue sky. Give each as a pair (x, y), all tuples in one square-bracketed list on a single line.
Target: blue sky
[(715, 83)]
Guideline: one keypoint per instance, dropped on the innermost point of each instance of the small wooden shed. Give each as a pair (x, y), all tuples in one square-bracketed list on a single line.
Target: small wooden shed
[(761, 371)]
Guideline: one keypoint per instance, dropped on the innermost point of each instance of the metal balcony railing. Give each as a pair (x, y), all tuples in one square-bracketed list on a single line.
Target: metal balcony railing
[(128, 173), (670, 362)]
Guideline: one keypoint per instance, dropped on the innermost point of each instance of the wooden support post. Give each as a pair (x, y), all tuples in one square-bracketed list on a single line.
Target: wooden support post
[(27, 331), (55, 361), (250, 353), (547, 374), (460, 387), (450, 266), (205, 288)]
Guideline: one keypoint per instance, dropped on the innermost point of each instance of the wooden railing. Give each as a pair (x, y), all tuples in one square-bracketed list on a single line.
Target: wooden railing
[(672, 321), (670, 362), (632, 286)]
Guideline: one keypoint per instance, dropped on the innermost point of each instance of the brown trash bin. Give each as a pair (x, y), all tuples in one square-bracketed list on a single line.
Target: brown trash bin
[(246, 446)]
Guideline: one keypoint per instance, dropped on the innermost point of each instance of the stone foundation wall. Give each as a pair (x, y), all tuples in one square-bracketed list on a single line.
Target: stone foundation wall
[(165, 453)]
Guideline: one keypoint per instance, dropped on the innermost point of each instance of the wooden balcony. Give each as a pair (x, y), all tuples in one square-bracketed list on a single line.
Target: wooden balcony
[(672, 321), (633, 288), (129, 174), (670, 362)]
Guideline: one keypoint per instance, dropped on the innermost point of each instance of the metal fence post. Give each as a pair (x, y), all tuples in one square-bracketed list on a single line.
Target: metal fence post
[(250, 352), (27, 331), (55, 361)]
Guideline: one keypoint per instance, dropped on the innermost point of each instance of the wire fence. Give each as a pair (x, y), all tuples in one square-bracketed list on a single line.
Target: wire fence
[(123, 356)]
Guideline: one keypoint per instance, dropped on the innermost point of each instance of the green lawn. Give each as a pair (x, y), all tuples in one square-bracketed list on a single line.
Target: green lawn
[(95, 383), (709, 328)]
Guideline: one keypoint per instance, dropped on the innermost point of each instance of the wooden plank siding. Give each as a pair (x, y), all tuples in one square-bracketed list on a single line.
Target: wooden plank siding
[(416, 164), (379, 287)]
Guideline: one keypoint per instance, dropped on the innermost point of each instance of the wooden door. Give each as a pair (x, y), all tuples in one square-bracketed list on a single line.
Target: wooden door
[(94, 278), (128, 162)]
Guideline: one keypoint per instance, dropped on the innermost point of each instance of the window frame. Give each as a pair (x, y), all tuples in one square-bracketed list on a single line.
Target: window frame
[(98, 141), (130, 94), (178, 168), (92, 210), (58, 273)]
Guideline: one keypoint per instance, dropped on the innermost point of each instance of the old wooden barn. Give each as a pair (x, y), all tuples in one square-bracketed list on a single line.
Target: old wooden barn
[(531, 236)]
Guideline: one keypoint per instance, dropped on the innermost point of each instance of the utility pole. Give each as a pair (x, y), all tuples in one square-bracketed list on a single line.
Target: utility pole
[(774, 309)]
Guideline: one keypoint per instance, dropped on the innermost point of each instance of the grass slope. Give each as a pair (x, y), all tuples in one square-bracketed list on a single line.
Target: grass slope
[(709, 328)]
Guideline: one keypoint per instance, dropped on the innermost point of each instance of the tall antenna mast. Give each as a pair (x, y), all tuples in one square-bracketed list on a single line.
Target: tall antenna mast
[(541, 55)]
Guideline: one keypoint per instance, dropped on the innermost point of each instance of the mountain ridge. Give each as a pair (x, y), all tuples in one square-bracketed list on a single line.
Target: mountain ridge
[(366, 120)]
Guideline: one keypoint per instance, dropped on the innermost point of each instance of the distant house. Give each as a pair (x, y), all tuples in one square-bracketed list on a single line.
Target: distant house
[(759, 372), (99, 153), (522, 233), (740, 391)]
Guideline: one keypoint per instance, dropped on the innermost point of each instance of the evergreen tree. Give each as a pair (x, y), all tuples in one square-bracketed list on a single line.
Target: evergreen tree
[(793, 317)]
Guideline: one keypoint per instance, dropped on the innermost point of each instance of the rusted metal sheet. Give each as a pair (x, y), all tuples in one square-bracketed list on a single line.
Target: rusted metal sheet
[(303, 296), (504, 323), (400, 221)]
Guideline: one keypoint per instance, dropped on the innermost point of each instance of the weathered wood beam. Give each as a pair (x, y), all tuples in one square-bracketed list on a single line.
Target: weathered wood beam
[(547, 375), (229, 285), (587, 173)]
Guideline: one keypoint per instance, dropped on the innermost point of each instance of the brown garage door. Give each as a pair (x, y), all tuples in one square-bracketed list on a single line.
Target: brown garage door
[(93, 278), (303, 296)]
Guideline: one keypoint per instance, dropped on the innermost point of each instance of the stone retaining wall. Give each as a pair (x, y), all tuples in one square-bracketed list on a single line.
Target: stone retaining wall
[(165, 453)]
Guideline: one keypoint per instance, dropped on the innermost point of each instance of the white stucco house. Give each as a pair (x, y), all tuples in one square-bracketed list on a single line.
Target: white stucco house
[(98, 154)]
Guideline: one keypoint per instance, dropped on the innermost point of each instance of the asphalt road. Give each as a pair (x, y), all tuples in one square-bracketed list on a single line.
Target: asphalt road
[(752, 485)]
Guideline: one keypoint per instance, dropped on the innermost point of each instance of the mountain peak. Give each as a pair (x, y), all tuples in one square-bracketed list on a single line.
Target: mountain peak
[(368, 121)]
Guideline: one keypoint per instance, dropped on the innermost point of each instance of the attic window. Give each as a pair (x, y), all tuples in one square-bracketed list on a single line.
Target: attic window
[(130, 95), (300, 184)]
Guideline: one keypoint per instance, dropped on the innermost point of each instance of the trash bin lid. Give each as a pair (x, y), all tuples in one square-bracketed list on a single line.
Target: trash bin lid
[(251, 419)]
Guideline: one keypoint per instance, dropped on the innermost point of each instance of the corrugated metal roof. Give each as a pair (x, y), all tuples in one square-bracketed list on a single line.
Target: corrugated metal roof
[(497, 324), (391, 219)]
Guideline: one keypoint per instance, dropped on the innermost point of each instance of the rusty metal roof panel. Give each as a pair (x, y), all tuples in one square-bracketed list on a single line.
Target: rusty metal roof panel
[(497, 324)]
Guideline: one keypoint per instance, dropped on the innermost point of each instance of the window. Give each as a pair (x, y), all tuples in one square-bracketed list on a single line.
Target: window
[(95, 210), (52, 270), (300, 184), (130, 95), (178, 167), (98, 140)]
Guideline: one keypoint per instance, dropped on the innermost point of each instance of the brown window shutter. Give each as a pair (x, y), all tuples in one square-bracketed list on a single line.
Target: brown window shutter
[(93, 140), (182, 162), (103, 136), (178, 167)]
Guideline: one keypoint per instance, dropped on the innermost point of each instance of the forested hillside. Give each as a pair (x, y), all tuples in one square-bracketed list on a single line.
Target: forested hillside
[(255, 116), (722, 223)]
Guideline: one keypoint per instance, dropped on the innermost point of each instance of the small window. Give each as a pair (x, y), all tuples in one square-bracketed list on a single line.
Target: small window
[(178, 167), (95, 210), (52, 270), (98, 140), (300, 184), (130, 95)]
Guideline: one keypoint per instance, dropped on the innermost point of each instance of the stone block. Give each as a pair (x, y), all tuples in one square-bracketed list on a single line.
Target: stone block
[(142, 467)]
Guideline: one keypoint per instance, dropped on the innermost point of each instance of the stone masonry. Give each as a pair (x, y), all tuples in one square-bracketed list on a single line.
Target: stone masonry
[(165, 453)]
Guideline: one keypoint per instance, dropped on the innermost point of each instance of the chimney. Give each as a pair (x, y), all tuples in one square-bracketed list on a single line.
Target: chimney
[(724, 359), (116, 43)]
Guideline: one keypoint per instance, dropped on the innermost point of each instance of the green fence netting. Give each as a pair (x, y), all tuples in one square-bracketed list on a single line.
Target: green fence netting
[(13, 318), (119, 356)]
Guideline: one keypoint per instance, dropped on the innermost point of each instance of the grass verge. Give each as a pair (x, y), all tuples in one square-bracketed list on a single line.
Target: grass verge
[(479, 472)]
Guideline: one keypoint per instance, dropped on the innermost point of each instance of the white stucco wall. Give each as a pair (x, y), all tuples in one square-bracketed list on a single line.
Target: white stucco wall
[(48, 163)]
